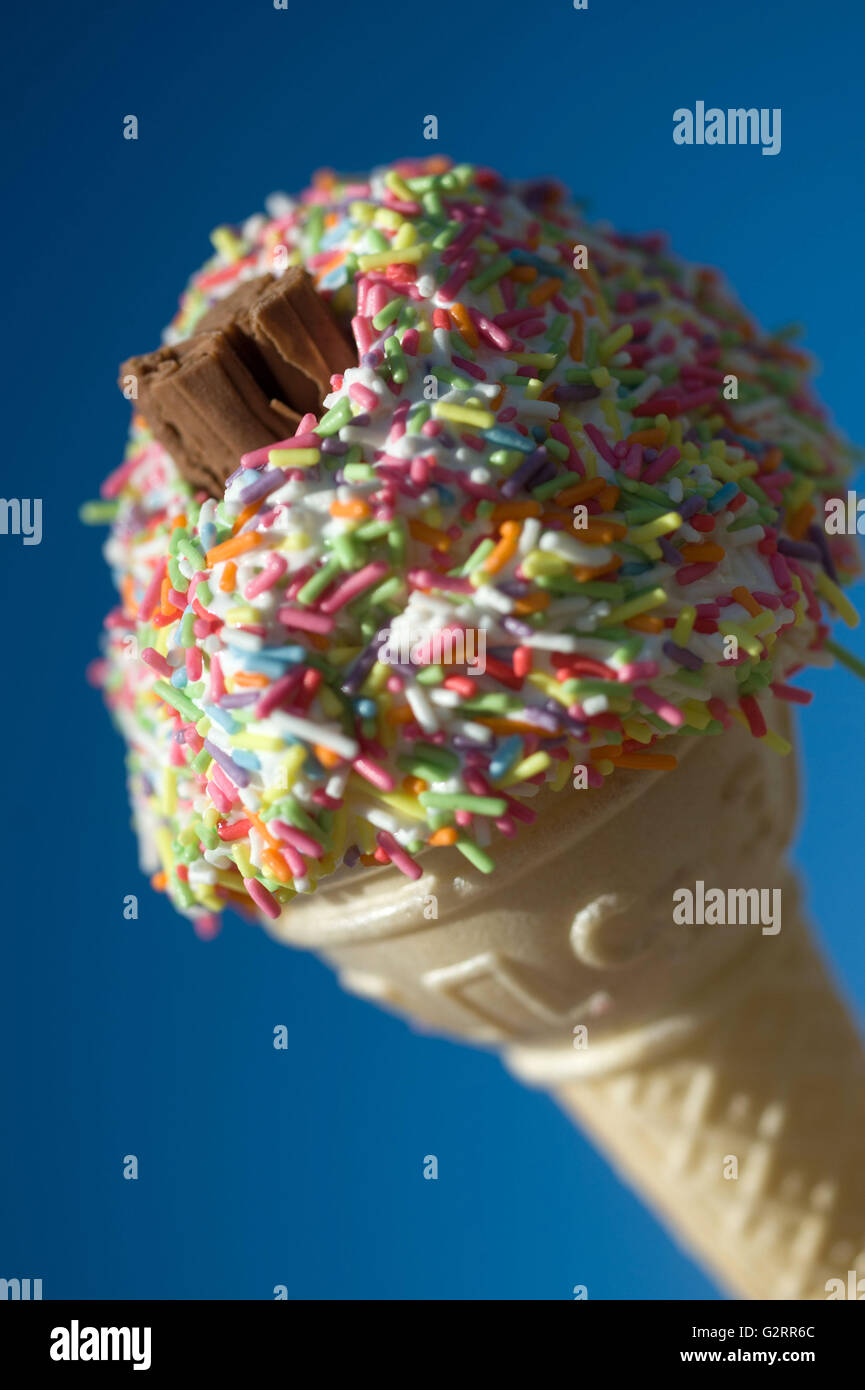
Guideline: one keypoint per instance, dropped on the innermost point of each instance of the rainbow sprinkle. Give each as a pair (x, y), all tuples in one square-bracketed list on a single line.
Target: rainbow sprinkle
[(541, 456)]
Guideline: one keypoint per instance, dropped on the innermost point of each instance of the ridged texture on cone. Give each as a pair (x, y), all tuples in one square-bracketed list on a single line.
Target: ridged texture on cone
[(705, 1047)]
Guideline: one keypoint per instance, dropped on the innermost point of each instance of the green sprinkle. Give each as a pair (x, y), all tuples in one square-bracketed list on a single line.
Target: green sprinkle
[(493, 272), (176, 698), (334, 419), (475, 854), (319, 581), (388, 313)]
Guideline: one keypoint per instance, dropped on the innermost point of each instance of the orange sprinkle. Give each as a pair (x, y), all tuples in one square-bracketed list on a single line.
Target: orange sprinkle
[(772, 461), (402, 714), (741, 595), (532, 603), (262, 829), (653, 439), (237, 545), (504, 549), (179, 522), (438, 164), (251, 680), (413, 785), (645, 622), (589, 487), (609, 497), (276, 865), (460, 315), (544, 291), (500, 725), (430, 535), (368, 859), (575, 346), (704, 554), (446, 836), (495, 403), (129, 603), (648, 762), (612, 751), (166, 607), (523, 274), (514, 511), (799, 521), (243, 517), (229, 576), (326, 756), (584, 572), (356, 509), (159, 881), (599, 532)]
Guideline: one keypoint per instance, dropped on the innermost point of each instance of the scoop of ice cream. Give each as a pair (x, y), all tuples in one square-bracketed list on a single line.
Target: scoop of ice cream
[(568, 502)]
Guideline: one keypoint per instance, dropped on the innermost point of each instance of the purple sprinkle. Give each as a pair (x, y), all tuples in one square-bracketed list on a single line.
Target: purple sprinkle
[(682, 656), (577, 393), (360, 420), (333, 445), (818, 536), (799, 550), (238, 775), (694, 504), (670, 553), (351, 856), (516, 627), (268, 482), (243, 697), (523, 475)]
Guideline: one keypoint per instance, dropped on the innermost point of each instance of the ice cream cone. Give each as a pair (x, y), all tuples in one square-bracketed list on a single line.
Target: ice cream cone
[(715, 1064)]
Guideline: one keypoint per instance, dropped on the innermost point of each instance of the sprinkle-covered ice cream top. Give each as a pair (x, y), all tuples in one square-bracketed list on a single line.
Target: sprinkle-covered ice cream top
[(568, 503)]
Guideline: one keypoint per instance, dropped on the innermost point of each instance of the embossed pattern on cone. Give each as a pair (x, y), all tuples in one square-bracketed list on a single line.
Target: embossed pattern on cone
[(704, 1043)]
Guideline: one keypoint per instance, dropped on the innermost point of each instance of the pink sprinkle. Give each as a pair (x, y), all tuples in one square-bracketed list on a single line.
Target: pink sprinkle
[(464, 268), (363, 334), (206, 926), (662, 464), (633, 461), (273, 570), (410, 341), (363, 395), (506, 827), (226, 786), (689, 574), (193, 663), (470, 368), (352, 586), (780, 572), (220, 801), (669, 713), (377, 299), (279, 692), (419, 470), (261, 897), (152, 592), (428, 579), (601, 445), (638, 670), (305, 620), (157, 662), (463, 819), (772, 601), (301, 841), (371, 772), (491, 333), (398, 856)]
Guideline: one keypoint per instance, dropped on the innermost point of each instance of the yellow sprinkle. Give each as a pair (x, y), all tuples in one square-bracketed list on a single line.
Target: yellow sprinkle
[(293, 458), (610, 346), (406, 236), (545, 360), (745, 639), (760, 623), (684, 625), (163, 848), (641, 604), (375, 681), (534, 387), (563, 772), (361, 212), (777, 743), (202, 728), (494, 295), (475, 416), (661, 526), (551, 687), (161, 643), (675, 436), (329, 702), (698, 716), (226, 244), (295, 540), (243, 613), (266, 742), (600, 377), (838, 600), (387, 217), (211, 816), (242, 859), (382, 258), (290, 767), (397, 185), (637, 730), (609, 409), (169, 791), (543, 562), (605, 767), (529, 767)]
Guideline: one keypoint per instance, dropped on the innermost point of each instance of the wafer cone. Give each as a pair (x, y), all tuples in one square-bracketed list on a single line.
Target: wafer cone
[(717, 1066)]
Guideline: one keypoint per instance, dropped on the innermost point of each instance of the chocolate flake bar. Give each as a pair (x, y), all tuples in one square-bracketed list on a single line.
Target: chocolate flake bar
[(258, 360)]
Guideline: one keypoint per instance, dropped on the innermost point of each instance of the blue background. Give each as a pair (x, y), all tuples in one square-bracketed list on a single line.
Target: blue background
[(303, 1167)]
